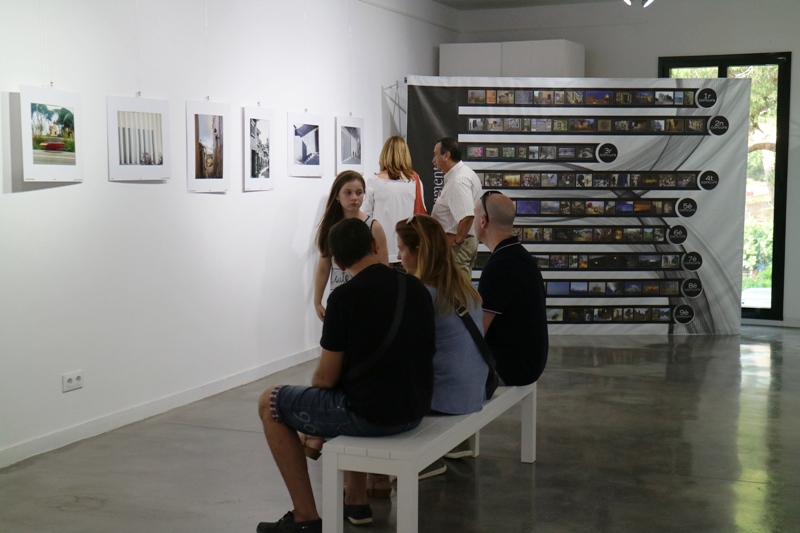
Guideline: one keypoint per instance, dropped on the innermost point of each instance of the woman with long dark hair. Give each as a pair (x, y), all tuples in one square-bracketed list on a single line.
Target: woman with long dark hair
[(344, 201)]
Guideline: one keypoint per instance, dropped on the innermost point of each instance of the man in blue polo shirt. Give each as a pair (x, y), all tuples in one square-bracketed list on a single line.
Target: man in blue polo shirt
[(511, 285)]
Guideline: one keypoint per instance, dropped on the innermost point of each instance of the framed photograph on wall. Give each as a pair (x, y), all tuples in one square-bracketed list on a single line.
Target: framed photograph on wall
[(138, 139), (52, 148), (258, 125), (349, 138), (305, 150), (207, 136)]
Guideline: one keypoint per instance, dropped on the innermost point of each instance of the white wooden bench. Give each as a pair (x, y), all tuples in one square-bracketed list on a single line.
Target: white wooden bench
[(406, 454)]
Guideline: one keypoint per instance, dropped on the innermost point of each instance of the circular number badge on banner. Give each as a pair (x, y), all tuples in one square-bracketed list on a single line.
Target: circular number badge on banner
[(684, 314), (677, 234), (692, 261), (718, 126), (692, 288), (707, 98), (709, 180), (608, 153), (687, 207)]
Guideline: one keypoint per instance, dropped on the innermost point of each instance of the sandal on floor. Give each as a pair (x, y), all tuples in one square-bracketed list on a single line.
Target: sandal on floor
[(378, 479)]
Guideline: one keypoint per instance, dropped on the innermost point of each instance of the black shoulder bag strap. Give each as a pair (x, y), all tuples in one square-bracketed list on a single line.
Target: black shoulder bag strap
[(369, 363), (492, 380)]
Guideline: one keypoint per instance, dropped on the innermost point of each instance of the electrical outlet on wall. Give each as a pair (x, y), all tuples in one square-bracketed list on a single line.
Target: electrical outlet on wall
[(72, 381)]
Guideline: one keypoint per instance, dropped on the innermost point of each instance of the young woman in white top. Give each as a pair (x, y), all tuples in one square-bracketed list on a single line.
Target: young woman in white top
[(344, 201), (392, 191)]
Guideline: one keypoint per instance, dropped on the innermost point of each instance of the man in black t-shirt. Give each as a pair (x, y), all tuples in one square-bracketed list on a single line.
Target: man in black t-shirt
[(363, 385), (511, 285)]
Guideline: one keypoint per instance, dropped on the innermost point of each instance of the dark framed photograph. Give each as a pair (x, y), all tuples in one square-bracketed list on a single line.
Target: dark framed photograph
[(644, 97), (566, 152), (528, 207), (582, 125), (549, 179), (605, 97), (523, 97), (558, 288), (550, 207), (493, 124), (547, 152), (475, 152), (665, 98), (512, 124), (566, 180), (511, 180), (541, 125), (476, 124), (531, 180), (575, 97), (493, 179), (623, 98), (505, 97), (674, 125), (543, 98), (476, 96)]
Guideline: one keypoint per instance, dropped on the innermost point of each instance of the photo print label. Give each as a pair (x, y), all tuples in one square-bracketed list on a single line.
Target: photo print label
[(684, 314), (718, 126), (687, 207), (608, 153), (677, 234), (709, 180), (692, 261), (707, 98), (692, 288)]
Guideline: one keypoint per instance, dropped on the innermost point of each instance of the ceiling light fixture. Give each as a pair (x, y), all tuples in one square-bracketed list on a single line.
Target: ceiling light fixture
[(627, 2), (646, 3)]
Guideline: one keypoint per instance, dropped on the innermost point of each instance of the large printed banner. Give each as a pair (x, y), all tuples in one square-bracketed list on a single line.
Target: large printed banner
[(629, 192)]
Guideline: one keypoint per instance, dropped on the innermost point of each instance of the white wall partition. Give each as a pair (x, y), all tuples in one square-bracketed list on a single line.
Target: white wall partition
[(160, 296)]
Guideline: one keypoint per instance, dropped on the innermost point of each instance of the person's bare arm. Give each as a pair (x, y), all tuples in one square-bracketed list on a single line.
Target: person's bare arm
[(488, 316), (329, 369), (380, 239), (320, 280), (463, 229)]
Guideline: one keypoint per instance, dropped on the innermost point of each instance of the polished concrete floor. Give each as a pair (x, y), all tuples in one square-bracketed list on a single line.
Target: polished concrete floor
[(658, 434)]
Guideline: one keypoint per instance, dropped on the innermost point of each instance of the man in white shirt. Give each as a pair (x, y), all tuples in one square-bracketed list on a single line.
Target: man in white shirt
[(454, 209)]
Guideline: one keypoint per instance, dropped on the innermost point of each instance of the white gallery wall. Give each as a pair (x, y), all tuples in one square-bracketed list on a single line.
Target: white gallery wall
[(626, 42), (158, 295)]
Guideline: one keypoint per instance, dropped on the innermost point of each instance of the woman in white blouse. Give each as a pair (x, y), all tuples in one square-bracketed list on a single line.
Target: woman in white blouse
[(391, 193)]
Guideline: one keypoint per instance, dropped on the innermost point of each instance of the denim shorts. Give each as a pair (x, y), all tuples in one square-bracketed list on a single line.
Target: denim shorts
[(324, 413)]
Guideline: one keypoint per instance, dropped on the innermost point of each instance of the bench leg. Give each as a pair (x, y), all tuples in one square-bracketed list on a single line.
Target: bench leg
[(475, 443), (529, 427), (407, 499), (332, 499)]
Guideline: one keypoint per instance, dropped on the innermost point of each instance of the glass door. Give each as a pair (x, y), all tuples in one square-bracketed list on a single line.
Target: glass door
[(767, 158)]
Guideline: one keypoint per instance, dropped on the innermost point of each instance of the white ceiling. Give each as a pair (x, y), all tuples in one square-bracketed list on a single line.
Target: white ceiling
[(464, 5)]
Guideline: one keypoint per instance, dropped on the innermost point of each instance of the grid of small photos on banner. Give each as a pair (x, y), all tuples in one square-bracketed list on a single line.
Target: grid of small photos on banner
[(617, 184)]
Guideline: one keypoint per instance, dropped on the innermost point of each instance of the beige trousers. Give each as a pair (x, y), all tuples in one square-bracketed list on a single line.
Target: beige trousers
[(465, 255)]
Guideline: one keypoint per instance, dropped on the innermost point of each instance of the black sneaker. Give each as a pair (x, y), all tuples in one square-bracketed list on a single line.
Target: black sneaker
[(287, 523), (359, 515)]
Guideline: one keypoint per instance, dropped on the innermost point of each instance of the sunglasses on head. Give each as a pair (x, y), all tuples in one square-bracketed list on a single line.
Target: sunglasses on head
[(483, 202)]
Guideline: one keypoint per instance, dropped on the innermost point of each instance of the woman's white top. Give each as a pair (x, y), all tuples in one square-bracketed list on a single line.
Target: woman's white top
[(389, 201)]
